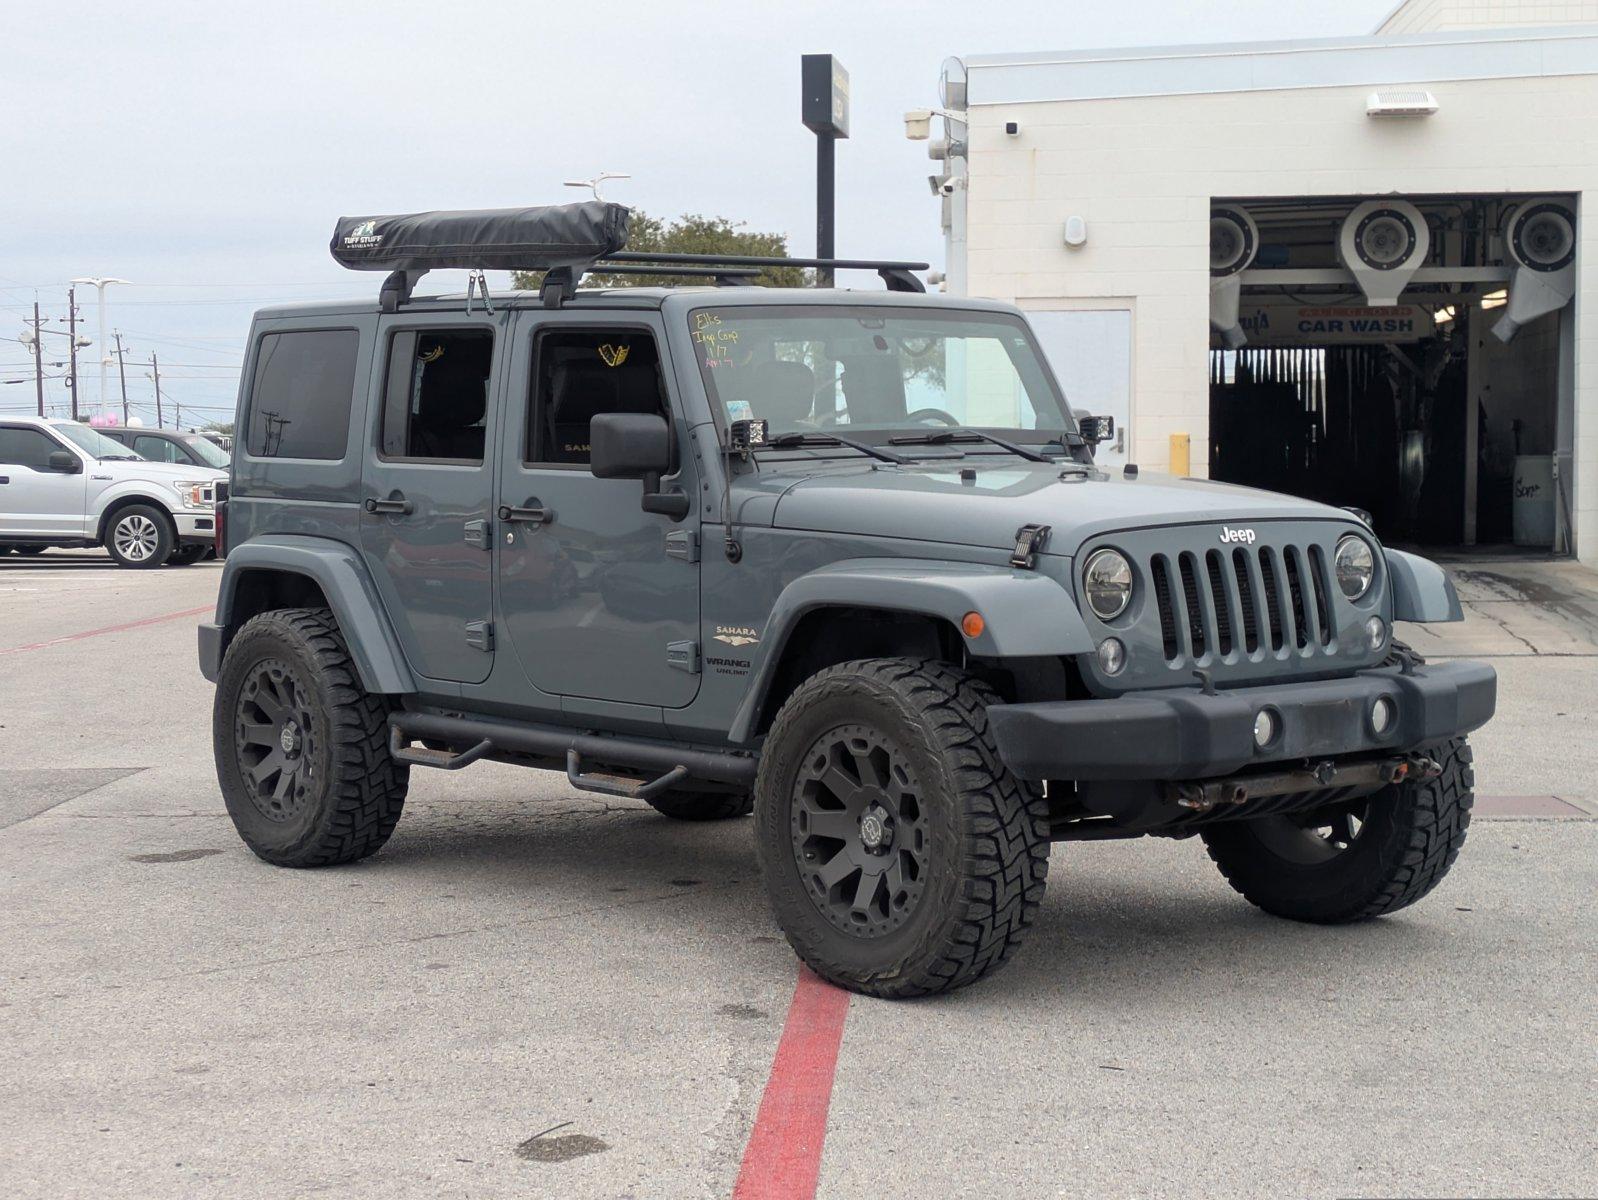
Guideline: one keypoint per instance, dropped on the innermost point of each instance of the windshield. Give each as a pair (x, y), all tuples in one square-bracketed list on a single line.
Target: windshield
[(92, 441), (208, 452), (806, 369)]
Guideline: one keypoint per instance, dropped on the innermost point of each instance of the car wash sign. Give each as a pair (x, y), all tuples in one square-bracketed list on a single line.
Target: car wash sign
[(1289, 323)]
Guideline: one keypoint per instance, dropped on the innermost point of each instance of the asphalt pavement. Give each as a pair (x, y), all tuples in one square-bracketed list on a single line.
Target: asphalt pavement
[(533, 992)]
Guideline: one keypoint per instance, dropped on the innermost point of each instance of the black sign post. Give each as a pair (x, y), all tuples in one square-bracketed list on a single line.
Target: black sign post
[(825, 112)]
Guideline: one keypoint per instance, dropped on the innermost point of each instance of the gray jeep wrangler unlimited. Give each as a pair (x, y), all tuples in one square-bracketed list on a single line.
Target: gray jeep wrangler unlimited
[(840, 558)]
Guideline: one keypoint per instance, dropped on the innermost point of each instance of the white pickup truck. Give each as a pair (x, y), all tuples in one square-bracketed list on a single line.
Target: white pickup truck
[(64, 484)]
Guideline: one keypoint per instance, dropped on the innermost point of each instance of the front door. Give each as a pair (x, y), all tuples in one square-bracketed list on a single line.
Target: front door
[(600, 599), (426, 524), (33, 498)]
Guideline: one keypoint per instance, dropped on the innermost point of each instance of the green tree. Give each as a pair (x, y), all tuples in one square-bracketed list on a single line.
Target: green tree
[(690, 234)]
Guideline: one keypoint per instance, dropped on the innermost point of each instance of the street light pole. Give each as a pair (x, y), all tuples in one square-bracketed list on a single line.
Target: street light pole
[(100, 284), (72, 341)]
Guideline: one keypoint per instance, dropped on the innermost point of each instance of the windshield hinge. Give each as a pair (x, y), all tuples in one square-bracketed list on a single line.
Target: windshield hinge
[(1029, 541)]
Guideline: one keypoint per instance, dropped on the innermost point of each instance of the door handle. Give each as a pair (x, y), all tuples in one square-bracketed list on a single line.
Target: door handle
[(401, 506), (533, 512)]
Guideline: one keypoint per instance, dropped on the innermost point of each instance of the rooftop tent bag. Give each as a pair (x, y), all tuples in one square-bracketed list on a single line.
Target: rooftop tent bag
[(495, 239)]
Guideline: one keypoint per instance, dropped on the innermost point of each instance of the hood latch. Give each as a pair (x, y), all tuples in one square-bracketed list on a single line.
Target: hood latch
[(1029, 541)]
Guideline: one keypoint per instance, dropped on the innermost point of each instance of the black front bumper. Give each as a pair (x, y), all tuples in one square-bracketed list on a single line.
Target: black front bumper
[(1182, 733)]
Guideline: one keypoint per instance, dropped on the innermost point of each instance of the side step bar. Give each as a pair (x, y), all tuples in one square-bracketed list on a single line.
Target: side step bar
[(486, 736)]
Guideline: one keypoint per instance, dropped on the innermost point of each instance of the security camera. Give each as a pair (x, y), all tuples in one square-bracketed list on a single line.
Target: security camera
[(918, 124), (948, 187), (1234, 241), (1383, 243), (1540, 237)]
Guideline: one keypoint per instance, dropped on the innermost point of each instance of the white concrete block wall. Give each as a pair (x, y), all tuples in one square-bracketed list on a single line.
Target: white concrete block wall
[(1142, 171)]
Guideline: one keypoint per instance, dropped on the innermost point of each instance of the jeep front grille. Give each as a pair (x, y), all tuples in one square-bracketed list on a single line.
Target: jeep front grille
[(1216, 603)]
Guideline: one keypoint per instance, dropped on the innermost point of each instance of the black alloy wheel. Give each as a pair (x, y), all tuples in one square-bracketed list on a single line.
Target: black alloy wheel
[(859, 831), (275, 740)]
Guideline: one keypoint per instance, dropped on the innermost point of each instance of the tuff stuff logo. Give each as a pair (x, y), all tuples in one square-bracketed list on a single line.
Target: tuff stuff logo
[(363, 236), (1240, 535), (736, 635)]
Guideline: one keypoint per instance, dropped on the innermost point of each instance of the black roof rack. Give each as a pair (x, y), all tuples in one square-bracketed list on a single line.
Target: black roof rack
[(560, 283), (566, 241)]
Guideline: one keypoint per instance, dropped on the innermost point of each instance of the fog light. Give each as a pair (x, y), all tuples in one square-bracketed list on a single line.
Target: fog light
[(1376, 632), (1382, 714), (1264, 728), (1112, 656)]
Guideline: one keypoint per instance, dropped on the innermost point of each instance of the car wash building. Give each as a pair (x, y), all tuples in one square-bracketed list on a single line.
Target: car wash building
[(1354, 269)]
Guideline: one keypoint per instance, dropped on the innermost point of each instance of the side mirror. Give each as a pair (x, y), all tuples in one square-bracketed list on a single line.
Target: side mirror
[(636, 446), (64, 461), (628, 445)]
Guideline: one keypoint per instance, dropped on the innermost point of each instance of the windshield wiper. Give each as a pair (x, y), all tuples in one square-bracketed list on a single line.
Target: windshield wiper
[(942, 437), (788, 441), (119, 458)]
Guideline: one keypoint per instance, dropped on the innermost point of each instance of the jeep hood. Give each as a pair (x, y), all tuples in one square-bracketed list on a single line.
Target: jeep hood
[(926, 502)]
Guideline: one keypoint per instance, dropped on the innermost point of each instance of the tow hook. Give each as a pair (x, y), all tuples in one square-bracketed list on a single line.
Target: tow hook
[(1201, 795)]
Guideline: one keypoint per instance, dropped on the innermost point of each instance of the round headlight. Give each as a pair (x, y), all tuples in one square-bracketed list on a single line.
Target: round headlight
[(1355, 566), (1107, 580)]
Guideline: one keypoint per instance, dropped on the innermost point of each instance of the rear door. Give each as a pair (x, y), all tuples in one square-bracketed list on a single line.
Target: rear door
[(600, 599), (33, 498), (425, 524), (158, 449)]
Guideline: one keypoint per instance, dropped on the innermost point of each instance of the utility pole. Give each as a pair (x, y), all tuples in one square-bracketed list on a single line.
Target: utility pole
[(156, 367), (38, 356), (72, 340), (122, 374)]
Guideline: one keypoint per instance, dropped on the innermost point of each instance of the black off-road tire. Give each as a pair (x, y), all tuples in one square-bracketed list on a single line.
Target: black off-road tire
[(983, 834), (140, 537), (184, 556), (703, 806), (1410, 836), (350, 798)]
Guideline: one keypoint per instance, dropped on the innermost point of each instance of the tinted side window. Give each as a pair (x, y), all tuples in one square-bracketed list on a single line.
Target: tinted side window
[(21, 447), (582, 374), (302, 392), (437, 394), (158, 450)]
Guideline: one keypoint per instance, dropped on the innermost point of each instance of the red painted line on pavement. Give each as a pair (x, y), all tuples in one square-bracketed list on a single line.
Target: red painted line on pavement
[(89, 633), (783, 1158)]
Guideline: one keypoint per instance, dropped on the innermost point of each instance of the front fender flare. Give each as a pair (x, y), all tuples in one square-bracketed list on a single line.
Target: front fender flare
[(1421, 589), (351, 593), (1027, 614)]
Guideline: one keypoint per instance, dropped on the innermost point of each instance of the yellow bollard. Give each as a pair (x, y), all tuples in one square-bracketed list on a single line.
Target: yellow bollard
[(1181, 455)]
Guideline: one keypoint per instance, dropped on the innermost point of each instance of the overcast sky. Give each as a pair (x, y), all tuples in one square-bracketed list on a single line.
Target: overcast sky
[(203, 150)]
